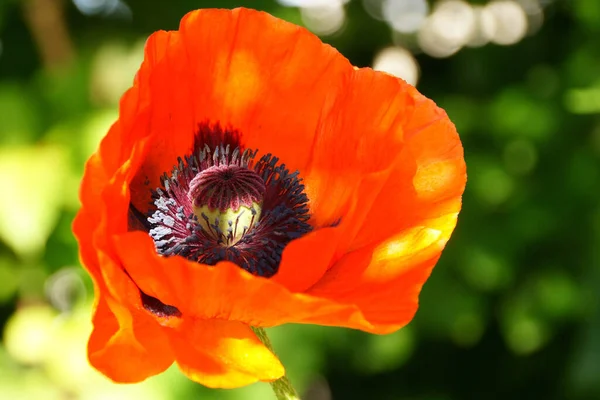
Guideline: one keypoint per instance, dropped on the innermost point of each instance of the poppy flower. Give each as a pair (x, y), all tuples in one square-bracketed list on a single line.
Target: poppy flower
[(255, 178)]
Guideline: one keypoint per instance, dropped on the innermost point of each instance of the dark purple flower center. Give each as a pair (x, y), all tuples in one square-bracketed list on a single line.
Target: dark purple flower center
[(219, 204)]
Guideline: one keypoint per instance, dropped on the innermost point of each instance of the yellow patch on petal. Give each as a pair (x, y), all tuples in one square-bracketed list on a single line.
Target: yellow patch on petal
[(238, 81), (223, 354), (437, 177), (411, 247)]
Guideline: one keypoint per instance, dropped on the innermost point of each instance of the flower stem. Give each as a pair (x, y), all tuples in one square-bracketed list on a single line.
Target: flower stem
[(282, 387)]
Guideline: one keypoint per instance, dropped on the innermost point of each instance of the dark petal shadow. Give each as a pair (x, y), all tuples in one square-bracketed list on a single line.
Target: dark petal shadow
[(137, 220), (157, 307)]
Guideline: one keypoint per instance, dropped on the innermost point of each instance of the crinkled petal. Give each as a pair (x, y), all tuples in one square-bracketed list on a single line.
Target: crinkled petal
[(361, 135), (384, 280), (223, 354), (432, 189), (227, 292), (301, 266), (402, 183), (127, 345), (244, 69), (224, 291)]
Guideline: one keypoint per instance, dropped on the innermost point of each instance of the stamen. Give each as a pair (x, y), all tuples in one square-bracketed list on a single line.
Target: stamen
[(219, 205)]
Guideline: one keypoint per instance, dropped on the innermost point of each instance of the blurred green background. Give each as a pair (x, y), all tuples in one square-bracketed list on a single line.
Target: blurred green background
[(512, 309)]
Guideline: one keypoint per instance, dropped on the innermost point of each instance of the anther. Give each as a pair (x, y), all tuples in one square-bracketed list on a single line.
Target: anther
[(220, 204)]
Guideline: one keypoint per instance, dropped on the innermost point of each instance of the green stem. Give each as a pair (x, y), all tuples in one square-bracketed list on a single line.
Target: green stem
[(282, 387)]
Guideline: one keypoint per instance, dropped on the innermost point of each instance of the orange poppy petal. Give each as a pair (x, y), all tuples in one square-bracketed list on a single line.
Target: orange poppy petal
[(202, 291), (163, 112), (115, 148), (95, 177), (223, 354), (127, 345), (122, 329), (361, 135), (82, 223), (384, 280), (267, 77), (429, 180), (98, 172), (398, 201), (227, 292), (301, 266), (241, 68), (398, 161)]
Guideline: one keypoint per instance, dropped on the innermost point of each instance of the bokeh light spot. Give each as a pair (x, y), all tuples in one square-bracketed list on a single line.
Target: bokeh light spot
[(584, 100), (483, 28), (535, 15), (447, 29), (103, 7), (405, 16), (35, 178), (27, 334), (491, 184), (525, 335), (113, 69), (484, 270), (515, 113), (398, 62), (374, 8), (383, 353), (559, 296), (511, 21), (65, 288), (325, 19)]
